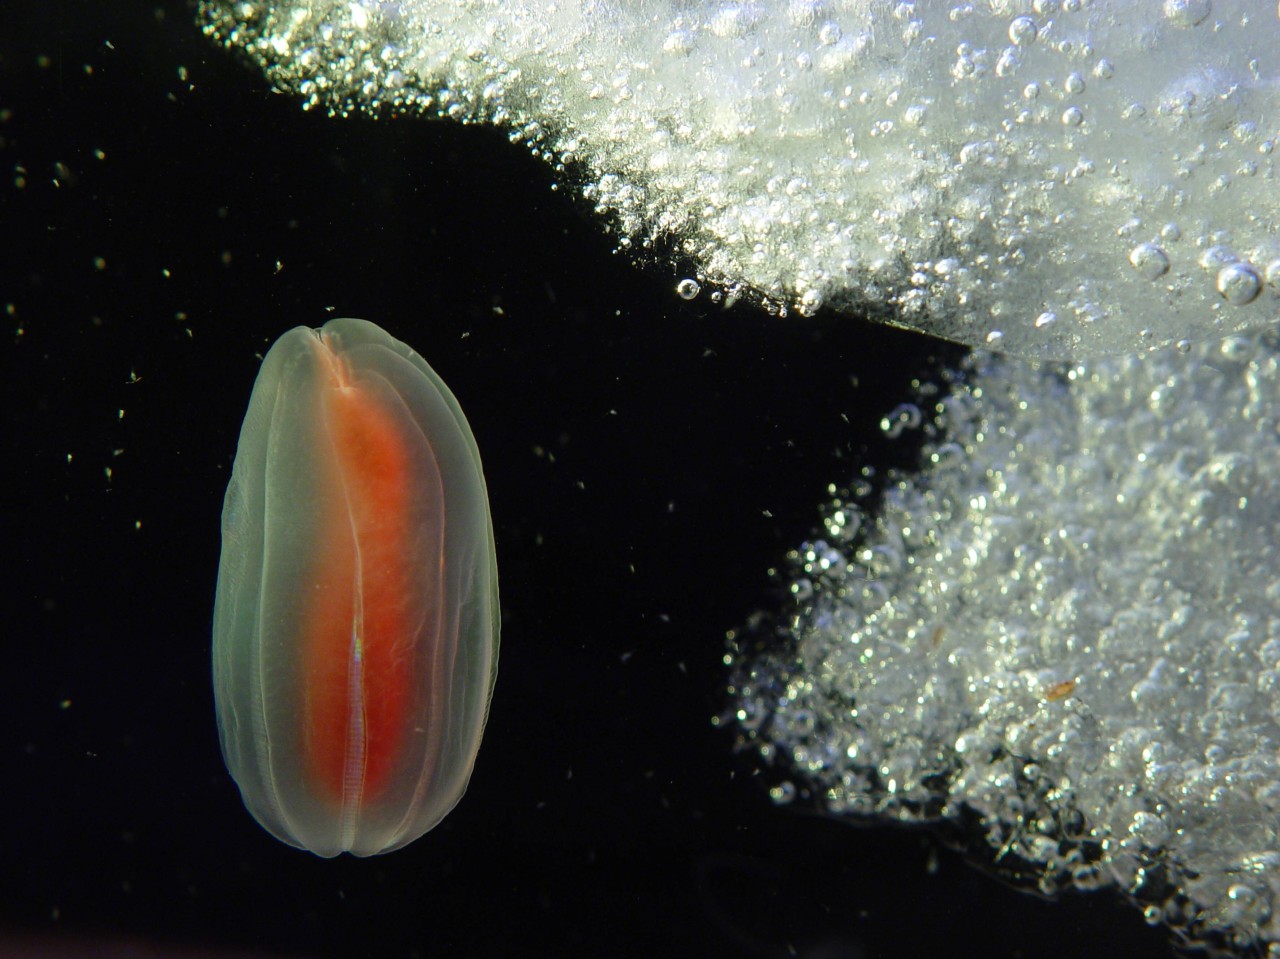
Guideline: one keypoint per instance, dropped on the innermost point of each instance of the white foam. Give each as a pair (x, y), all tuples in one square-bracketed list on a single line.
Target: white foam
[(1066, 628), (1049, 177)]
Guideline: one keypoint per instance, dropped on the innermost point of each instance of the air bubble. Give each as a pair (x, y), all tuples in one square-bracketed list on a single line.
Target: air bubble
[(1239, 284), (1217, 257), (804, 13), (732, 20), (1186, 13), (688, 289), (1022, 31), (783, 793), (810, 303), (1149, 260), (679, 43), (906, 416), (1072, 117)]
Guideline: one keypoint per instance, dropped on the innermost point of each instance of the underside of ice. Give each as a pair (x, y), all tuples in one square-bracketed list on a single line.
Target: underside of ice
[(1041, 177), (1067, 626)]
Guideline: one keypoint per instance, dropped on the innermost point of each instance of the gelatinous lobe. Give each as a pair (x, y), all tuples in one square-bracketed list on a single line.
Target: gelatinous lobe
[(355, 630)]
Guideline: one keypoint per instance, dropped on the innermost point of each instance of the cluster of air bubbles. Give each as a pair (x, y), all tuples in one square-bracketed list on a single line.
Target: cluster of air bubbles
[(1064, 632), (968, 170)]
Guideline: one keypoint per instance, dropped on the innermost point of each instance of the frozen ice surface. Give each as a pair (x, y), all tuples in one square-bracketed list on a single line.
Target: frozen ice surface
[(1042, 177), (1065, 629)]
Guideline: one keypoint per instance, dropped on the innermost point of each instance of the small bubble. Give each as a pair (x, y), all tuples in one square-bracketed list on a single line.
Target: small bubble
[(1104, 70), (688, 289), (1183, 346), (914, 115), (1239, 283), (1241, 900), (1245, 131), (1047, 318), (906, 416), (803, 13), (1074, 83), (1217, 257), (732, 20), (679, 42), (1149, 260), (1072, 117), (1186, 13), (810, 303), (1022, 31), (783, 793), (963, 67), (1008, 63)]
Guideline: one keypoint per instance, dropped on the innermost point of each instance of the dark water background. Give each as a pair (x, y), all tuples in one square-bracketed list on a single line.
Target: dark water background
[(648, 460)]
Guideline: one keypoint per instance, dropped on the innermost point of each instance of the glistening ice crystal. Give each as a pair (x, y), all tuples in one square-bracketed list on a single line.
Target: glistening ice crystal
[(1039, 175), (1066, 627)]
